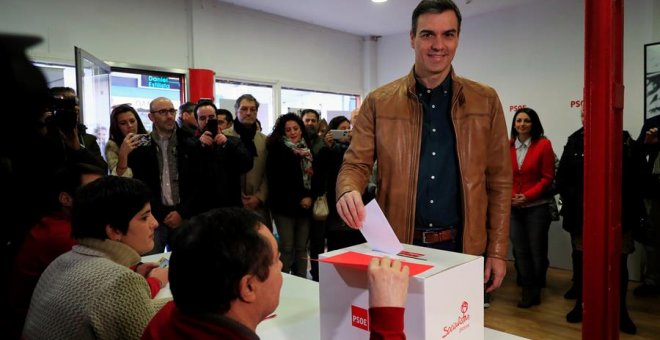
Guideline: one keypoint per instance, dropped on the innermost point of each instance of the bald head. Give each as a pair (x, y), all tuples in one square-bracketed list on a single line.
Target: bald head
[(162, 114), (157, 101)]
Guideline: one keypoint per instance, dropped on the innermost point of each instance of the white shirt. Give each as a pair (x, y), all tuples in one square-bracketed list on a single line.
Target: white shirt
[(521, 150)]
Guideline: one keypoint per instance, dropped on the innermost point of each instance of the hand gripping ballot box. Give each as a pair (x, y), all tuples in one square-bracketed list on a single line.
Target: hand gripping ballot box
[(445, 293)]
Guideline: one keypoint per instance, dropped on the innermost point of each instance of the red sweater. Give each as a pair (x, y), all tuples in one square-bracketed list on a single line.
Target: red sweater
[(537, 171), (169, 323), (386, 323), (48, 239)]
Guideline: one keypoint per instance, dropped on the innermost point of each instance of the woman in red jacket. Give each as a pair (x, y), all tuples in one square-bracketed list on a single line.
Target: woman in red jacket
[(533, 163)]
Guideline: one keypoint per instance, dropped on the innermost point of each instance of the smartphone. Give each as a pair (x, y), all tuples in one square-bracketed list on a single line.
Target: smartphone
[(340, 134), (143, 140), (212, 126)]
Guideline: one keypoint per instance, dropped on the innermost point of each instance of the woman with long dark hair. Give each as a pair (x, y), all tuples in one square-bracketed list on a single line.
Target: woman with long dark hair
[(533, 163), (126, 133), (289, 170)]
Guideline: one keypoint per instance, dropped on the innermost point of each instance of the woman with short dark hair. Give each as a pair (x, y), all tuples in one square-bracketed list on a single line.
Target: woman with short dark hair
[(91, 292)]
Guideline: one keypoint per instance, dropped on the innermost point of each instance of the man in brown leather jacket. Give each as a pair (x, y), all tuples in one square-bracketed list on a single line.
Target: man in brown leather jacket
[(444, 168)]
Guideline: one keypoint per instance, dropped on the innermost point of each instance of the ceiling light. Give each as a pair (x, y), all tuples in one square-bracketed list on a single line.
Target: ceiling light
[(378, 1)]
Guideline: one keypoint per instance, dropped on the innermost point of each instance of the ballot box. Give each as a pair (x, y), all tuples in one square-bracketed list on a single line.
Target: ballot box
[(445, 294)]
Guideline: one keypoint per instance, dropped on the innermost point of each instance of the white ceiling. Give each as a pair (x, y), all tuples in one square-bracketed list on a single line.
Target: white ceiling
[(364, 17)]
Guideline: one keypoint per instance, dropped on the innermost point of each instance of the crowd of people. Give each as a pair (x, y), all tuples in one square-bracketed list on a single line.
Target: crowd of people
[(432, 147)]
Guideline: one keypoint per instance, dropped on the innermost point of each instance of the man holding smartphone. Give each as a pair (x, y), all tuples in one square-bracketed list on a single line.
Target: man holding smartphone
[(224, 160), (453, 191)]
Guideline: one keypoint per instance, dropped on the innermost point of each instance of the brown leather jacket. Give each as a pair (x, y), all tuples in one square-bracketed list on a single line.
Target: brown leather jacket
[(388, 129)]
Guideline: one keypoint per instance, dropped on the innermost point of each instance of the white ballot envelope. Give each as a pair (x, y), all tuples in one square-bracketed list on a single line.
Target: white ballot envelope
[(378, 232)]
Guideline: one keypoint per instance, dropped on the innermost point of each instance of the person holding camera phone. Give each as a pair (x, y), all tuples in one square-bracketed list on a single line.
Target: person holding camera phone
[(337, 141), (224, 159), (326, 167), (126, 133)]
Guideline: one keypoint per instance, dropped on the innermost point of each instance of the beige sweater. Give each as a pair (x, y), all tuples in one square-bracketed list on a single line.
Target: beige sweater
[(90, 293), (254, 182), (112, 156)]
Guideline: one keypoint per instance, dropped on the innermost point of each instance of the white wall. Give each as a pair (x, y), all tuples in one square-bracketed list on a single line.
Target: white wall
[(119, 31), (242, 43), (233, 42), (534, 55)]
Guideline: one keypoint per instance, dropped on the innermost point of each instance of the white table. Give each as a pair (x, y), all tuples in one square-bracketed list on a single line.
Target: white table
[(298, 315)]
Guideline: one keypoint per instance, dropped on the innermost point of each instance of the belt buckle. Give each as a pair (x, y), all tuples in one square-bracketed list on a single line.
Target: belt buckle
[(424, 233)]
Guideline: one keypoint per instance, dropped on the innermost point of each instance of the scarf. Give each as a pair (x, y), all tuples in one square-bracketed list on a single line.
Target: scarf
[(247, 136), (302, 150)]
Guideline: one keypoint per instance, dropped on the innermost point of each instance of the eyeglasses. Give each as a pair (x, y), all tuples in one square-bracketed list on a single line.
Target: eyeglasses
[(164, 112)]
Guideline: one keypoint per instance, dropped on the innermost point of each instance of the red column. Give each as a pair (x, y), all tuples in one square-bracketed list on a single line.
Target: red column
[(603, 79), (202, 84)]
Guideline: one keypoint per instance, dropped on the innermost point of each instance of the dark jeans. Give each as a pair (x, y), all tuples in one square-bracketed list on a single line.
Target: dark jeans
[(294, 233), (529, 238)]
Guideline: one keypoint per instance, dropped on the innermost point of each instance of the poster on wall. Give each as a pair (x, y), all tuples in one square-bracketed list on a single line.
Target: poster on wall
[(652, 80)]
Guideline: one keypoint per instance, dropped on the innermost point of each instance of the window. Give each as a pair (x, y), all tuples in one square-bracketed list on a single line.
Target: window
[(228, 91), (139, 88), (58, 75), (328, 104), (128, 86)]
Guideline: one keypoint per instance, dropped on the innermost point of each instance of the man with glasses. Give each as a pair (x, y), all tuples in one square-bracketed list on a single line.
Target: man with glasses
[(168, 166), (254, 185)]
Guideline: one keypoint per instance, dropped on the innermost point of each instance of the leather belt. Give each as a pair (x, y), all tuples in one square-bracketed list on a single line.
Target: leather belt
[(430, 237)]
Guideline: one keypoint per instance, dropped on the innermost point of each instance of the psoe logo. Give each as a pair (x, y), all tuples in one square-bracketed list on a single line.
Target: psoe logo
[(461, 323), (360, 318)]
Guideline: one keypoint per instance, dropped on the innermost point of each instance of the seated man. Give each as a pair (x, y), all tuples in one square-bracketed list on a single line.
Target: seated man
[(225, 276)]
